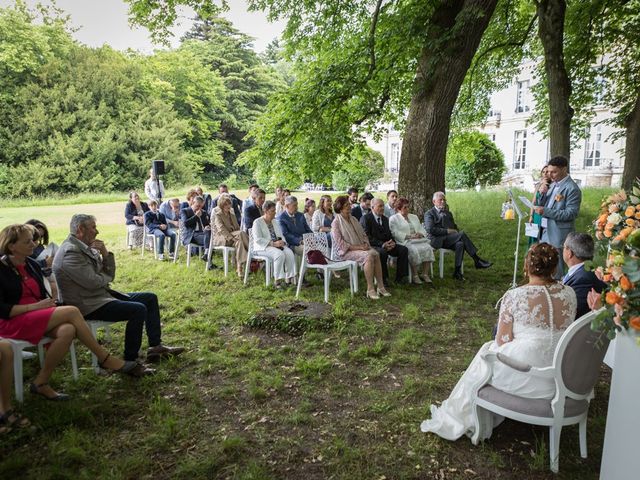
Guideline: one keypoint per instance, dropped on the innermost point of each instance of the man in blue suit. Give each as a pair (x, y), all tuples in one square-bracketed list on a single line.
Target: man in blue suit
[(293, 226), (156, 224), (197, 226), (561, 207), (578, 247)]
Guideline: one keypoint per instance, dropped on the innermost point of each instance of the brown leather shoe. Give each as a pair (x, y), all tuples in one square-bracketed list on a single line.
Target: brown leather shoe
[(157, 353), (138, 370)]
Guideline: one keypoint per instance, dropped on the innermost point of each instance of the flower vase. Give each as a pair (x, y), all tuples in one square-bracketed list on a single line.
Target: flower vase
[(622, 433)]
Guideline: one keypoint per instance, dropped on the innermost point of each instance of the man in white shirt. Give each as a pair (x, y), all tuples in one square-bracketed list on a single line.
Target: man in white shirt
[(154, 188)]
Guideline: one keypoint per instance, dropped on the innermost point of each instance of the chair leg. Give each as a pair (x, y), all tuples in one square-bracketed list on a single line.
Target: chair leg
[(582, 433), (74, 360), (302, 272), (41, 354), (225, 259), (246, 269), (554, 447), (267, 272), (351, 281), (144, 240), (208, 262), (354, 269), (17, 373), (94, 359), (441, 264), (327, 281), (188, 255)]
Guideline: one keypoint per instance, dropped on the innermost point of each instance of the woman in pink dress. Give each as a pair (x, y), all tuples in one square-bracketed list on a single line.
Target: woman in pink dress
[(27, 311), (352, 243)]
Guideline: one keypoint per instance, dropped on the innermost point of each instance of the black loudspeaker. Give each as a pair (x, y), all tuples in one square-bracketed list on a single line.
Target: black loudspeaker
[(158, 167)]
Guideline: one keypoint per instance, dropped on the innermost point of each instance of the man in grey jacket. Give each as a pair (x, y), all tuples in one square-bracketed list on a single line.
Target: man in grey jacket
[(84, 268)]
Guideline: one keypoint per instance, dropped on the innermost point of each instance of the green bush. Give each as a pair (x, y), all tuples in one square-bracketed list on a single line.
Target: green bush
[(473, 159)]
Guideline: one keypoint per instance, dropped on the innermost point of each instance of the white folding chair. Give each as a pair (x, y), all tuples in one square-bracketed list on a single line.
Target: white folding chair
[(179, 242), (318, 241), (575, 370), (227, 253), (255, 255), (354, 271), (18, 346), (443, 252), (94, 325)]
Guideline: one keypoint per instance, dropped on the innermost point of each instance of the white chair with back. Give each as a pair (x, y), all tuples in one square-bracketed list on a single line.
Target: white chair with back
[(575, 370), (255, 255), (318, 241)]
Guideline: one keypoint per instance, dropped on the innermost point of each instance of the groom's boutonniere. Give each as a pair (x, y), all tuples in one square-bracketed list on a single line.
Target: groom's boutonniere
[(558, 197)]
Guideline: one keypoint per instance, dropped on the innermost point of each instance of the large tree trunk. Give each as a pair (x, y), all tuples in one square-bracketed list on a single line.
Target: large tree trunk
[(632, 147), (441, 70), (551, 31)]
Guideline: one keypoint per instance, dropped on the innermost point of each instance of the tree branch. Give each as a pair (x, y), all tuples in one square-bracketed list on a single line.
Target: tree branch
[(372, 40), (519, 43)]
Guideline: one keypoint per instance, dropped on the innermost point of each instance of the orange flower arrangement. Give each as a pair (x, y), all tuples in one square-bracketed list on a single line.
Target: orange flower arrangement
[(617, 230)]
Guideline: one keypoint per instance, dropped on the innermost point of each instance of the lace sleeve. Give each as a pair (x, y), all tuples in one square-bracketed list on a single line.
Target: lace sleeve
[(505, 320)]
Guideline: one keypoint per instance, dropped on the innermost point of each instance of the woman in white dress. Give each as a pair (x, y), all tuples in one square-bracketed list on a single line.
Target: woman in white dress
[(269, 241), (532, 319), (408, 231)]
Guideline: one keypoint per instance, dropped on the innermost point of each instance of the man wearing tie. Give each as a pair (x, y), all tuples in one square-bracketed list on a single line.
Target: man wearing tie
[(443, 233), (376, 226), (561, 207), (578, 247), (197, 227)]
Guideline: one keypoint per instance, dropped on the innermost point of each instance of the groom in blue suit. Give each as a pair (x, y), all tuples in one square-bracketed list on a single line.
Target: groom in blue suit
[(561, 207)]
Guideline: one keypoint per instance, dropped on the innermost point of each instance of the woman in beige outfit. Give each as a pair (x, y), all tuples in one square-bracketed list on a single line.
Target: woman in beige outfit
[(226, 231)]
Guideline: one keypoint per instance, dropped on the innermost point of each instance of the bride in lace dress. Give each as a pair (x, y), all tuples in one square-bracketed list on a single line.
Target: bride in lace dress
[(532, 319)]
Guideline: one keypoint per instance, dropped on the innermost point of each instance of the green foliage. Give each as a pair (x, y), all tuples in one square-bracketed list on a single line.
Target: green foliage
[(358, 169), (473, 159), (248, 81)]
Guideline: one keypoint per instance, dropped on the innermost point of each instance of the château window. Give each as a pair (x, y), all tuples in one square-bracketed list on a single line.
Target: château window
[(519, 149), (394, 161), (522, 96), (593, 147)]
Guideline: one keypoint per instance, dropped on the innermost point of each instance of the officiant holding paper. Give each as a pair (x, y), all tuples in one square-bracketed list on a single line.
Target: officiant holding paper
[(561, 207)]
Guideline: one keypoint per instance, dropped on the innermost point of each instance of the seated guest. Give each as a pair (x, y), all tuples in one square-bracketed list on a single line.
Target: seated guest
[(251, 198), (376, 226), (269, 241), (353, 196), (363, 207), (531, 321), (134, 215), (9, 419), (309, 210), (44, 251), (443, 233), (154, 188), (27, 312), (196, 225), (207, 199), (254, 210), (323, 217), (578, 247), (171, 211), (390, 206), (408, 231), (158, 226), (84, 268), (226, 231), (293, 225), (236, 203), (351, 243), (191, 194), (279, 200)]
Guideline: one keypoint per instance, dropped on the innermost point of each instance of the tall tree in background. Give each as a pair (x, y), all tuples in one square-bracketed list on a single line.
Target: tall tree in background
[(551, 16), (249, 83)]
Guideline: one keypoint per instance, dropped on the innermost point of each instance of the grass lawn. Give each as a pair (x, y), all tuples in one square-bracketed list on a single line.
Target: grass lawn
[(344, 400)]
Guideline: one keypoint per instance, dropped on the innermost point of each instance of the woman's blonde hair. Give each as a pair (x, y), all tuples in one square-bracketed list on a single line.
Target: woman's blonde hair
[(11, 234), (223, 199)]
